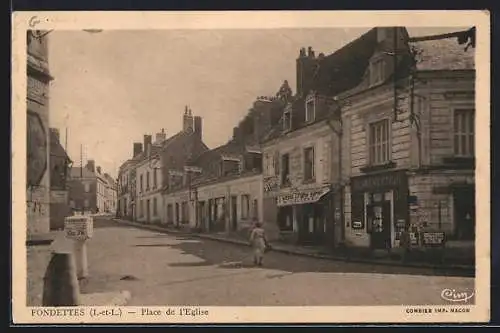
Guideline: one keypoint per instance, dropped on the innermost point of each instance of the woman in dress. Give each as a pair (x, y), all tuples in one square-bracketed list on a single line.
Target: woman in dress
[(259, 243)]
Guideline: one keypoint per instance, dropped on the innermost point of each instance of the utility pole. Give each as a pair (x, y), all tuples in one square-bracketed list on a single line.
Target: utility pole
[(81, 161)]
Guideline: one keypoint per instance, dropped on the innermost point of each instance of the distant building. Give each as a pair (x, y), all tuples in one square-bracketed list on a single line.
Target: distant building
[(38, 141), (59, 164), (87, 189)]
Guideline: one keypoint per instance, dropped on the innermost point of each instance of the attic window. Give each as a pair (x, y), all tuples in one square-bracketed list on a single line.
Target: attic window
[(310, 109), (287, 119), (377, 71)]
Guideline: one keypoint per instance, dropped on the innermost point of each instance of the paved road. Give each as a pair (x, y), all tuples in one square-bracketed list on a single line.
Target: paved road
[(162, 269)]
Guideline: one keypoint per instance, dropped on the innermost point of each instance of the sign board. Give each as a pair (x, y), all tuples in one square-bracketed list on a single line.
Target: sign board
[(270, 184), (433, 238), (301, 196), (357, 225), (79, 227), (193, 169)]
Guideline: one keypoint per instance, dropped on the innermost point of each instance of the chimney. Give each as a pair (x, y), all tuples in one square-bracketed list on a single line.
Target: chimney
[(91, 165), (137, 148), (305, 67), (98, 170), (187, 120), (198, 127), (160, 137), (55, 131), (237, 134), (148, 140)]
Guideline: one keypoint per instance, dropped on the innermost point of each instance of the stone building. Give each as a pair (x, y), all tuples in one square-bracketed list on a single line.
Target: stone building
[(409, 133), (38, 155), (59, 166), (87, 188)]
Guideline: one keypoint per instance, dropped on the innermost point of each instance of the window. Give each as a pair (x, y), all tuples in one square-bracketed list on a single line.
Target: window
[(463, 131), (141, 186), (245, 206), (310, 110), (379, 142), (287, 118), (86, 203), (155, 209), (147, 180), (309, 164), (255, 209), (377, 71), (185, 212), (276, 163), (267, 164), (285, 170), (155, 178), (170, 214), (72, 203), (86, 187), (141, 208)]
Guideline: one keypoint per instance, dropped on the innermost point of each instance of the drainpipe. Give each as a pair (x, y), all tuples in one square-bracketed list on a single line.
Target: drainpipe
[(340, 190)]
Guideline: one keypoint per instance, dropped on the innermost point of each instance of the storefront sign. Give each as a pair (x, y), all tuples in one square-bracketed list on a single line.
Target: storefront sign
[(357, 225), (433, 238), (302, 197), (78, 227), (270, 184), (377, 182)]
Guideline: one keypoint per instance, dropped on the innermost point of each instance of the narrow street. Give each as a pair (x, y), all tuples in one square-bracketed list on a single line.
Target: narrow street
[(160, 269)]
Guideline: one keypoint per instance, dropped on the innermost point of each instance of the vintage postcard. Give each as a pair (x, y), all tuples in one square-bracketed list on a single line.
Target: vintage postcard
[(238, 167)]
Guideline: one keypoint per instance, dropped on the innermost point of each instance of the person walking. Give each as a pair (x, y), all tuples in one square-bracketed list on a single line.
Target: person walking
[(259, 243)]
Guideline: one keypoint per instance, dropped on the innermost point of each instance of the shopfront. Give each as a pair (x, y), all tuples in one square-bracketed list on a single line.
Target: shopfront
[(304, 214), (379, 207)]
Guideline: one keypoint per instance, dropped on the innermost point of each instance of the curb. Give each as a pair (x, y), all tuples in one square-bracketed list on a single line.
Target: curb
[(470, 269)]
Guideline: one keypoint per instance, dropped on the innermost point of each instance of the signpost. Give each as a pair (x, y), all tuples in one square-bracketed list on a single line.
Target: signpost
[(79, 228)]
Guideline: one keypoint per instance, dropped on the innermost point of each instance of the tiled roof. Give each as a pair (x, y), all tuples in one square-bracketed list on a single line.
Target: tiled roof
[(443, 54)]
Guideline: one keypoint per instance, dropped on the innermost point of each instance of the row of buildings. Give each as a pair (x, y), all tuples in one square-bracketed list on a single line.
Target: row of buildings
[(378, 137)]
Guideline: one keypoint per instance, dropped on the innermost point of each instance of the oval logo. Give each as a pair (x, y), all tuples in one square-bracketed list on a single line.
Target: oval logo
[(454, 295)]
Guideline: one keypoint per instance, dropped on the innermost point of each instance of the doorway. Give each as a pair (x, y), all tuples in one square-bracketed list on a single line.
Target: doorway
[(464, 213), (379, 222), (234, 215), (148, 219)]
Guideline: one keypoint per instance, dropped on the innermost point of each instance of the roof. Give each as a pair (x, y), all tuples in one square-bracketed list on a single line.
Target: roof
[(56, 149), (443, 54), (83, 172)]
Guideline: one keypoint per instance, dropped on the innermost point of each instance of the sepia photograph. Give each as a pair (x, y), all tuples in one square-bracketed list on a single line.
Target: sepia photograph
[(170, 171)]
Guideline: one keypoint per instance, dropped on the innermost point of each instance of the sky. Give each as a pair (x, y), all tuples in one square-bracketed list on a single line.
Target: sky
[(113, 87)]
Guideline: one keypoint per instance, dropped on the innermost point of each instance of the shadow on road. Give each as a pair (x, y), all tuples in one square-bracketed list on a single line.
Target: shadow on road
[(232, 256)]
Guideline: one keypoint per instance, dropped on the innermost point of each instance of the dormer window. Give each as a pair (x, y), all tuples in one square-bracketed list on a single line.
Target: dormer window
[(287, 118), (310, 109), (377, 71)]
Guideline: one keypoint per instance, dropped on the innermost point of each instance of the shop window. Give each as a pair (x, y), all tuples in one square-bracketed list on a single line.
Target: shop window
[(463, 131), (379, 142), (155, 208), (309, 173), (285, 170), (285, 218), (245, 206)]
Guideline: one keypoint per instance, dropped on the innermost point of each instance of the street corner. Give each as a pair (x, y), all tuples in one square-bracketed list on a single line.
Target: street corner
[(114, 298)]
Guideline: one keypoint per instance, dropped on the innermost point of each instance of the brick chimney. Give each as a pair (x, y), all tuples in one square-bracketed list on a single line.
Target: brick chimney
[(161, 136), (187, 120), (55, 131), (198, 127), (306, 65), (148, 140), (137, 148), (90, 165)]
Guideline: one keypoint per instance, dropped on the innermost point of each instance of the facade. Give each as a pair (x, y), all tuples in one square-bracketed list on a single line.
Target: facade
[(59, 164), (126, 187), (110, 190), (38, 141), (87, 189), (148, 189), (410, 140), (222, 189)]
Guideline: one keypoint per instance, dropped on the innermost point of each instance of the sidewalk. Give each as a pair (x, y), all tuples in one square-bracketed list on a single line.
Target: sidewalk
[(315, 252)]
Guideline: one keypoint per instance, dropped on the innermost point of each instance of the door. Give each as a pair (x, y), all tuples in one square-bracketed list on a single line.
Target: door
[(147, 211), (234, 215), (308, 224), (465, 213), (379, 218)]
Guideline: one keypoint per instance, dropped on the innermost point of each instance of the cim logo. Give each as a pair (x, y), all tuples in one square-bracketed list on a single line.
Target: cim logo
[(453, 295)]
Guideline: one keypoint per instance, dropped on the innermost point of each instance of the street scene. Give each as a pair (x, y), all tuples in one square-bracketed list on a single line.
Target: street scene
[(279, 167)]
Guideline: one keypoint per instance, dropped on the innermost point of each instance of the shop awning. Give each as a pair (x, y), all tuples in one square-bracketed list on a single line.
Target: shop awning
[(299, 197)]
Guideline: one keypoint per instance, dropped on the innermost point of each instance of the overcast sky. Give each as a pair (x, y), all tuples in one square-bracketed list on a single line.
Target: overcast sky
[(113, 87)]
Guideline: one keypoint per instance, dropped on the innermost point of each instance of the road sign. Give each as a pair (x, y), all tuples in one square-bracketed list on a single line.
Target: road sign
[(79, 227)]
